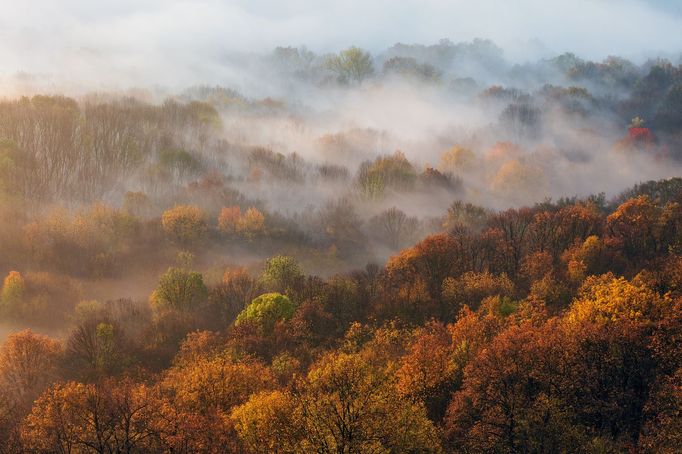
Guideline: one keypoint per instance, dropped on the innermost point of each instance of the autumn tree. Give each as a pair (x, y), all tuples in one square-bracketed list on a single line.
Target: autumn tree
[(607, 298), (394, 227), (38, 297), (179, 289), (228, 220), (96, 347), (345, 299), (467, 215), (457, 160), (312, 329), (642, 230), (75, 417), (96, 242), (29, 363), (344, 405), (515, 227), (252, 223), (282, 273), (216, 382), (185, 225), (471, 288), (384, 173), (663, 432), (417, 273), (230, 296), (496, 407), (589, 258), (249, 224), (13, 292), (269, 422), (201, 393), (352, 65), (429, 370), (341, 226)]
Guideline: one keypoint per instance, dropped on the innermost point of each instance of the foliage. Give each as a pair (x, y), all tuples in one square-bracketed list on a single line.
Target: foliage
[(281, 273), (180, 289), (185, 225), (344, 405), (266, 310), (352, 65), (606, 299), (97, 242), (42, 298), (549, 327), (386, 172), (250, 224)]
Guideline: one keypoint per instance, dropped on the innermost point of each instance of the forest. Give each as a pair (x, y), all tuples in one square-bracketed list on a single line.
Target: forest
[(425, 249)]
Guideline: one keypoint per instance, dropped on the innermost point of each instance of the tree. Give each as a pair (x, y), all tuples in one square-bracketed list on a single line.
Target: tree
[(105, 339), (344, 405), (349, 406), (418, 273), (216, 383), (185, 225), (394, 227), (230, 296), (386, 172), (39, 298), (13, 293), (519, 180), (610, 374), (282, 273), (429, 370), (466, 215), (340, 223), (75, 417), (312, 328), (663, 433), (608, 299), (28, 364), (95, 348), (457, 160), (590, 257), (249, 224), (495, 409), (643, 230), (668, 116), (268, 422), (515, 226), (409, 68), (92, 243), (632, 225), (180, 289), (266, 310), (228, 220), (352, 65), (180, 163), (471, 288), (342, 297), (252, 223)]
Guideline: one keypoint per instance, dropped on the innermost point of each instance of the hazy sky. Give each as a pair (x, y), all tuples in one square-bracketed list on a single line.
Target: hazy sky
[(166, 41)]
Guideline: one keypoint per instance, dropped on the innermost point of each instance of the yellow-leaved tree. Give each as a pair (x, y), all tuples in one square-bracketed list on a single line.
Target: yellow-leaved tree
[(345, 404)]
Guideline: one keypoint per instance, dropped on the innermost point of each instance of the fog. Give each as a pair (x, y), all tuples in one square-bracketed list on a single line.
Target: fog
[(218, 217), (239, 105), (178, 43)]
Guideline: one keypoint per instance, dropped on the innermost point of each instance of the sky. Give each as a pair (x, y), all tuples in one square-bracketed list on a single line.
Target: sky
[(166, 42)]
